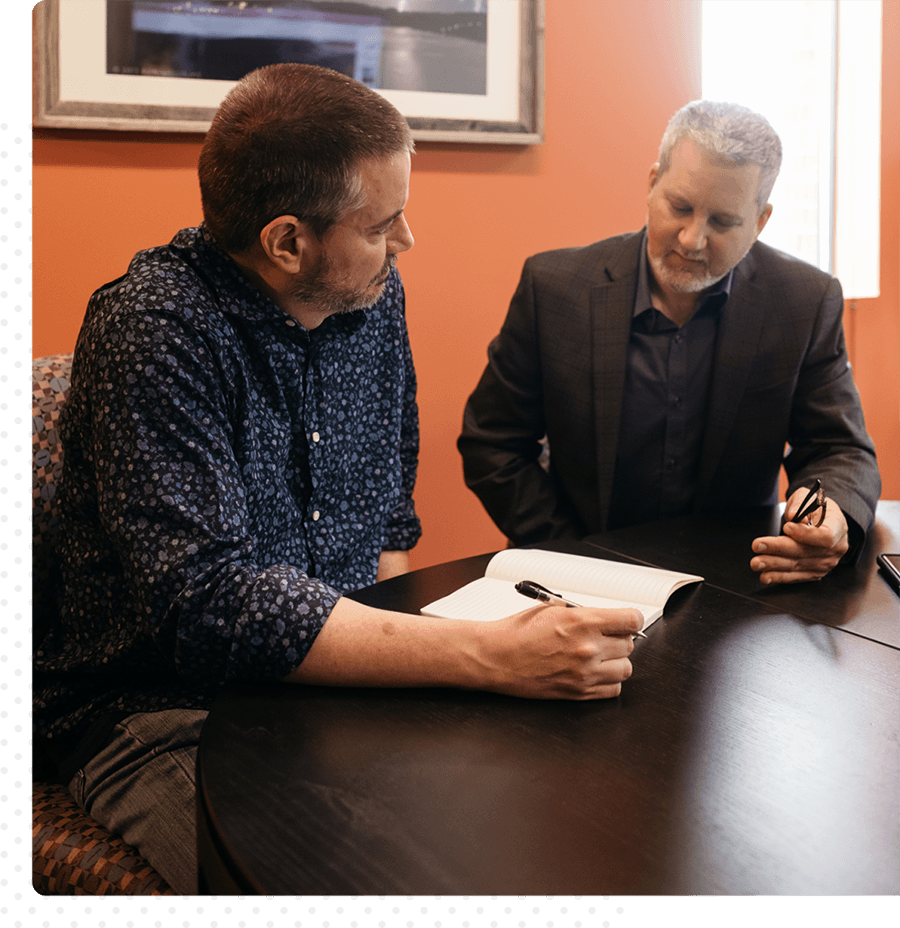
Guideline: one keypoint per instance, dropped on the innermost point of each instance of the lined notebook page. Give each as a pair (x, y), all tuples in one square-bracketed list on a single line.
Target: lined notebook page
[(574, 577), (631, 583), (488, 599)]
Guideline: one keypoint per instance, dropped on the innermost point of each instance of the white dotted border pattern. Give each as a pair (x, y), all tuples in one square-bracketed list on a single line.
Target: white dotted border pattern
[(15, 441)]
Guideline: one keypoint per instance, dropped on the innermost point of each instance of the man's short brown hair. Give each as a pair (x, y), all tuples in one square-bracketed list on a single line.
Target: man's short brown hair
[(288, 140)]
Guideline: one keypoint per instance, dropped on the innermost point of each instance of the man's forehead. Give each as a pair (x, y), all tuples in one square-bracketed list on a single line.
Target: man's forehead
[(693, 167), (381, 165), (385, 186), (695, 157)]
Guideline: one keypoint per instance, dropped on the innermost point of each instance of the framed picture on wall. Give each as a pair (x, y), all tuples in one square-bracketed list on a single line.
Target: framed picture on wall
[(459, 70)]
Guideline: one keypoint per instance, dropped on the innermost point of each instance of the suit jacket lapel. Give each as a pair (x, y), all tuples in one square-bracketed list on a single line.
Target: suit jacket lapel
[(612, 304), (740, 328)]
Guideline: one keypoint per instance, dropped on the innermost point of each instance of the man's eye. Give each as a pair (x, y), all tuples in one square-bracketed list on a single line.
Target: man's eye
[(681, 210)]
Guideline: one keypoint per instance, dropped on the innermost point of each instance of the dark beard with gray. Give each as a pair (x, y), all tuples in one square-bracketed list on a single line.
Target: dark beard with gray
[(328, 297)]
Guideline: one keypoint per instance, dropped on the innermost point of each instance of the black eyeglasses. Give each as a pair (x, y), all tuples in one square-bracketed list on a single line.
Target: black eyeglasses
[(814, 501)]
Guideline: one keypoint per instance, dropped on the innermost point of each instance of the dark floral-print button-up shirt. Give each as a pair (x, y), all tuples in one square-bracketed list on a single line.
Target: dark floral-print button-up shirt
[(228, 474)]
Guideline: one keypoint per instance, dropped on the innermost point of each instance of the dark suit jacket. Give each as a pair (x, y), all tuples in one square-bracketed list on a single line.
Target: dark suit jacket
[(557, 368)]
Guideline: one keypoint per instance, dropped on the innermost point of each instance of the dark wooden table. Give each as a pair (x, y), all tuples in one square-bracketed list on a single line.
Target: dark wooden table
[(754, 751), (717, 547)]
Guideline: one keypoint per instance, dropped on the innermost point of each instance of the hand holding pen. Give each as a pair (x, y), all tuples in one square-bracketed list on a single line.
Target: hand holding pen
[(534, 590)]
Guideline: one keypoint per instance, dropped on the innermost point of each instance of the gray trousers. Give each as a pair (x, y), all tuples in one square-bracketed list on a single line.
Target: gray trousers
[(142, 786)]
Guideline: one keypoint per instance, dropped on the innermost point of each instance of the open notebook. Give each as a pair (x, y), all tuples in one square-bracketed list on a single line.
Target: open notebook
[(588, 581)]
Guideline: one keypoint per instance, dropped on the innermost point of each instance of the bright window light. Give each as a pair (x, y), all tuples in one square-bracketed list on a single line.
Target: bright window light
[(813, 69), (858, 159)]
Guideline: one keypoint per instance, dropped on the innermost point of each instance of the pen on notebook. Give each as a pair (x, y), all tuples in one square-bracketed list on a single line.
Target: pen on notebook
[(534, 590)]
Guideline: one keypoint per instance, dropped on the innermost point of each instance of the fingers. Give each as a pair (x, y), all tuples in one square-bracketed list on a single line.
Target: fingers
[(614, 622), (611, 632), (602, 640), (792, 563), (831, 533), (802, 554), (794, 503), (828, 538), (789, 556), (794, 574), (556, 652), (606, 684), (588, 621), (600, 679)]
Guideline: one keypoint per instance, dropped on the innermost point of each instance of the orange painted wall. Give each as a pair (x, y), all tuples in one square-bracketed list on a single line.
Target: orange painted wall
[(614, 74), (873, 326)]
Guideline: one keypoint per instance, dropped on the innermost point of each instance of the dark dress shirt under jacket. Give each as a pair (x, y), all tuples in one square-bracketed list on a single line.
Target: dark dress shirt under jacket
[(228, 474), (664, 409)]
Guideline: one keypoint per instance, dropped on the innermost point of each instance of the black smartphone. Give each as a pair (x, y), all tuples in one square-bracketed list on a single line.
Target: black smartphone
[(890, 567)]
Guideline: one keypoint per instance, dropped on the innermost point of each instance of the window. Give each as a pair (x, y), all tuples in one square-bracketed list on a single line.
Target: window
[(813, 69)]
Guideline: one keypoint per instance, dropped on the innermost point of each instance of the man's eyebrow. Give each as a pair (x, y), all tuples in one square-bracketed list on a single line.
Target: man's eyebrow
[(386, 222), (676, 199), (672, 196), (730, 218)]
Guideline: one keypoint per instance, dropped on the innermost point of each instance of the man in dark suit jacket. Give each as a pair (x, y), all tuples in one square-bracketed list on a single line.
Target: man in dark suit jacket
[(677, 369)]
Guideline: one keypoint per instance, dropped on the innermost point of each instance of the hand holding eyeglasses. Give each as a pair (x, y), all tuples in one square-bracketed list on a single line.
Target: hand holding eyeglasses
[(813, 501), (814, 540)]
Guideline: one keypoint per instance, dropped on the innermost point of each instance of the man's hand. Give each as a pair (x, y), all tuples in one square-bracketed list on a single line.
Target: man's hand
[(554, 652), (803, 552)]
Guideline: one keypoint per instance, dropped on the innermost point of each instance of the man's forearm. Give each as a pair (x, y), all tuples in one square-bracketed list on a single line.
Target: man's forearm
[(392, 564), (542, 652), (363, 646)]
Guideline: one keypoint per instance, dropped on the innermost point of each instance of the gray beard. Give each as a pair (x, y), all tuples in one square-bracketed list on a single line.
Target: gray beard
[(682, 281)]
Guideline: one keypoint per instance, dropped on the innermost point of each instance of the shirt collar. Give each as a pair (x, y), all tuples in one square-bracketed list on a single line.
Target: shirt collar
[(234, 292), (642, 300)]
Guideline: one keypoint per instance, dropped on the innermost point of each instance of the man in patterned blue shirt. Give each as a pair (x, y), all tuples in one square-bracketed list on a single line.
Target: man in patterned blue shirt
[(240, 446)]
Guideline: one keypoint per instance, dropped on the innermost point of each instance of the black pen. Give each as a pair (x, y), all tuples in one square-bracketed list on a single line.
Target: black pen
[(534, 590)]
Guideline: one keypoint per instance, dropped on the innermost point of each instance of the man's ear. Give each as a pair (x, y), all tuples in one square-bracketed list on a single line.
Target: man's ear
[(763, 218), (288, 243), (654, 174)]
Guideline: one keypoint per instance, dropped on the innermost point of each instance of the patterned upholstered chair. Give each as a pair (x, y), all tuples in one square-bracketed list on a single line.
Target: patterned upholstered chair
[(72, 854)]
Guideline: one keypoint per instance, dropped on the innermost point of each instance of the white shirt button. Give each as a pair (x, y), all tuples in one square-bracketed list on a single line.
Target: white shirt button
[(290, 322), (315, 436), (316, 516)]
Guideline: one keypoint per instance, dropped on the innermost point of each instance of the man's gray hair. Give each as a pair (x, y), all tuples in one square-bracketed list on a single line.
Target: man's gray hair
[(730, 133)]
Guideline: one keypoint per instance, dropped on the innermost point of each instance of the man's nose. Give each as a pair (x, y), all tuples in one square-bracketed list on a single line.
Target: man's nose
[(402, 239), (693, 235)]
